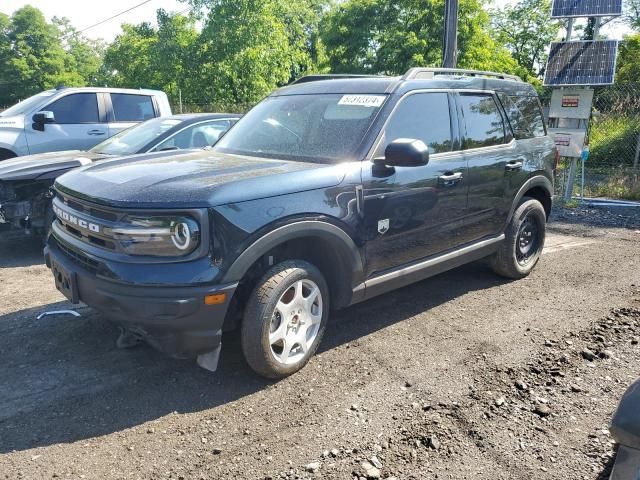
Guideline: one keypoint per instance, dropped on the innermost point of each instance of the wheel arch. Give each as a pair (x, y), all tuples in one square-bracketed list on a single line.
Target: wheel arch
[(538, 187), (6, 153), (327, 246)]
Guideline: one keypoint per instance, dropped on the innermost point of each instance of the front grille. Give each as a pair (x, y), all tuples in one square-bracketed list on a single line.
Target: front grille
[(79, 258), (88, 223)]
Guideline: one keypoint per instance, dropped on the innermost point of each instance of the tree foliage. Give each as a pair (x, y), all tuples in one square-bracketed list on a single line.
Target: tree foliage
[(628, 66), (527, 30), (632, 13), (36, 55), (390, 36)]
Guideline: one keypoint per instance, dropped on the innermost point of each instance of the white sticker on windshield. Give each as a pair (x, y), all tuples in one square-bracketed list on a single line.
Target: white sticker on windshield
[(362, 100)]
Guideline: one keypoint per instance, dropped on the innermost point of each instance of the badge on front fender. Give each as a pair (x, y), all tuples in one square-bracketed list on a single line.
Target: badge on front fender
[(383, 226)]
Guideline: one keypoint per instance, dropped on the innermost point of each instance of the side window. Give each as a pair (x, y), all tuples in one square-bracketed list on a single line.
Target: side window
[(132, 108), (483, 121), (196, 136), (525, 116), (422, 116), (75, 108)]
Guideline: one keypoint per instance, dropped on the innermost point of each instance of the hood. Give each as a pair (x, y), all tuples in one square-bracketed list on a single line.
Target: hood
[(194, 179), (12, 122), (45, 165)]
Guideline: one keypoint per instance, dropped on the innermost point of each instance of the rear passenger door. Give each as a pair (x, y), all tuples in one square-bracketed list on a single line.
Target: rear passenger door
[(127, 110), (492, 157), (415, 212), (77, 125)]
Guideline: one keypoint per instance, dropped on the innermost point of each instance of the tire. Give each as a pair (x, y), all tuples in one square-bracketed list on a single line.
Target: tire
[(524, 240), (280, 331), (6, 154)]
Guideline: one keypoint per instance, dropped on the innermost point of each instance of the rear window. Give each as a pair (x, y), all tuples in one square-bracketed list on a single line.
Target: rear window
[(484, 124), (132, 108), (525, 116)]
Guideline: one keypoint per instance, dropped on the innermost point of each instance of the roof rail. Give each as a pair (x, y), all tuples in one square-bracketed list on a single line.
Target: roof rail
[(316, 78), (428, 73)]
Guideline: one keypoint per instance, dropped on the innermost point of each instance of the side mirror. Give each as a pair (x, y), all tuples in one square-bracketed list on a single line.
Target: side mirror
[(42, 118), (405, 152)]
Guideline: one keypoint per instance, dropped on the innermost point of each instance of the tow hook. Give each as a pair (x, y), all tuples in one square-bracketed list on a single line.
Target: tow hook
[(57, 313)]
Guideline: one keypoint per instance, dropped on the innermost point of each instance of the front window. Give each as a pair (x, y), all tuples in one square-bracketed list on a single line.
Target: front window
[(323, 127), (130, 141), (27, 105)]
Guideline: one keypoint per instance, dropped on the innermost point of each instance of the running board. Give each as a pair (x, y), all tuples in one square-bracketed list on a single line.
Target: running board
[(424, 269)]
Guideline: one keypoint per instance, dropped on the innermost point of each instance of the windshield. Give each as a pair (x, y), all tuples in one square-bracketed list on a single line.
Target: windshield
[(130, 141), (27, 105), (323, 127)]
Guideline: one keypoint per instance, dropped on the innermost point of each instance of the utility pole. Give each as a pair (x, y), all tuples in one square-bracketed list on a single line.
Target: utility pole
[(450, 37)]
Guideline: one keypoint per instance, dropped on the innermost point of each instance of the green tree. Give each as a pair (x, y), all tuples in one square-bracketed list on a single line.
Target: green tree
[(249, 47), (632, 13), (526, 29), (391, 36), (159, 57), (628, 66), (36, 56)]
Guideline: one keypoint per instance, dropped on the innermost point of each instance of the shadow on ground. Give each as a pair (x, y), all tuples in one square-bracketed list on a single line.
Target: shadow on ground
[(63, 380), (24, 252)]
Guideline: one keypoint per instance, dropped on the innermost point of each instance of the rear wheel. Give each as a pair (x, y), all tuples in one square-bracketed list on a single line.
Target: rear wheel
[(524, 240), (285, 319)]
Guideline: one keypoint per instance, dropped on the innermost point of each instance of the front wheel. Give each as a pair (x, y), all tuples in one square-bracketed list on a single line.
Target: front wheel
[(285, 319), (524, 240)]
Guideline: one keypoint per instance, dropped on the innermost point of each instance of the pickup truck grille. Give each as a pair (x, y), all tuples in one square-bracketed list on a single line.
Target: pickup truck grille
[(88, 223)]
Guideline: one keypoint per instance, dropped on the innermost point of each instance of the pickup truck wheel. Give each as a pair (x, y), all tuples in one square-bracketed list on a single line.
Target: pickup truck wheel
[(285, 319), (524, 241)]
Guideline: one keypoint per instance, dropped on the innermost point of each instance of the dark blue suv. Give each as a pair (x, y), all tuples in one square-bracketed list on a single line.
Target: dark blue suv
[(329, 192)]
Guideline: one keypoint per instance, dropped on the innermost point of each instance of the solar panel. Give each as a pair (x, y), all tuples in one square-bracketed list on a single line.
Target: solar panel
[(581, 63), (586, 8)]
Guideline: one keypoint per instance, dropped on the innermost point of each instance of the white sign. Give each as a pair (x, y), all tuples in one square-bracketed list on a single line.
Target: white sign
[(568, 141), (362, 100), (571, 103)]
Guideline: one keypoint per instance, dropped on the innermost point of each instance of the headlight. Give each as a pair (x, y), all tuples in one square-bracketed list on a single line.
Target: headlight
[(158, 236)]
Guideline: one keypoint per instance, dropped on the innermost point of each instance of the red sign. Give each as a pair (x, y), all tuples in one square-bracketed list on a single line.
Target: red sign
[(570, 101)]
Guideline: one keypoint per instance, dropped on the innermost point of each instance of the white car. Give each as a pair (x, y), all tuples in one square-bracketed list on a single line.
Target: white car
[(75, 118)]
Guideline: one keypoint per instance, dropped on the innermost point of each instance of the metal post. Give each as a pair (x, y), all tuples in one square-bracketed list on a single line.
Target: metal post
[(596, 27), (568, 193), (180, 98), (569, 29), (450, 37)]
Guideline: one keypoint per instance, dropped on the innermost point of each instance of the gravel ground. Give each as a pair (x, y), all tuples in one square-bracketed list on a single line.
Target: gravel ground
[(464, 375)]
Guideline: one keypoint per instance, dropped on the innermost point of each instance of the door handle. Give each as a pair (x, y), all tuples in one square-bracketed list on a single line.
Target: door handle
[(96, 132), (513, 166), (450, 179)]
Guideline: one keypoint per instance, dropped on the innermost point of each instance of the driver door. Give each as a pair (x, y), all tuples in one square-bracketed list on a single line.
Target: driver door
[(416, 212), (76, 125)]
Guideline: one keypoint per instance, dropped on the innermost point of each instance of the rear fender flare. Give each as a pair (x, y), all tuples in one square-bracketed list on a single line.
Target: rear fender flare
[(537, 181)]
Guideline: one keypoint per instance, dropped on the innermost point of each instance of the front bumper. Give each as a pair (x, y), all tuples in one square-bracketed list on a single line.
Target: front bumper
[(627, 466), (174, 319)]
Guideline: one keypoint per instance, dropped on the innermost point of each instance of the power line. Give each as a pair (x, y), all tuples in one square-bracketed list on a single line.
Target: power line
[(114, 16)]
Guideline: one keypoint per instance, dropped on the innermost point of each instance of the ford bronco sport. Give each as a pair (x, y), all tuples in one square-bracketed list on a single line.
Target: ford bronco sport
[(327, 193)]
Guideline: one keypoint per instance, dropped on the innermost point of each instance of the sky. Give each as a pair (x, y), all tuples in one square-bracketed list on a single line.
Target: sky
[(84, 13)]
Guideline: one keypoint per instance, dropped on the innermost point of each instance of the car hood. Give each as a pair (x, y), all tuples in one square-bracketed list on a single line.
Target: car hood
[(45, 165), (12, 122), (194, 179)]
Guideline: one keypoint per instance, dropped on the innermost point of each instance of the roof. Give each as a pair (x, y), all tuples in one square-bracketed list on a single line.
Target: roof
[(401, 85), (107, 90)]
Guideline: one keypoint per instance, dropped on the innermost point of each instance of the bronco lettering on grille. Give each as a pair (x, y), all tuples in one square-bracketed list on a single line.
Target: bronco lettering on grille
[(76, 221)]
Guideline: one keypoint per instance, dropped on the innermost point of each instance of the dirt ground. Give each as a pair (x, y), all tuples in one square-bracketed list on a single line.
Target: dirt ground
[(462, 376)]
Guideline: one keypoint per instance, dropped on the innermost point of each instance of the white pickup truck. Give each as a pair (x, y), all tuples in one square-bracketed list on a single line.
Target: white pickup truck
[(75, 118)]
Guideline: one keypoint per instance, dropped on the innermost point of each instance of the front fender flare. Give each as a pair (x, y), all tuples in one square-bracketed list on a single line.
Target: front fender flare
[(344, 246)]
